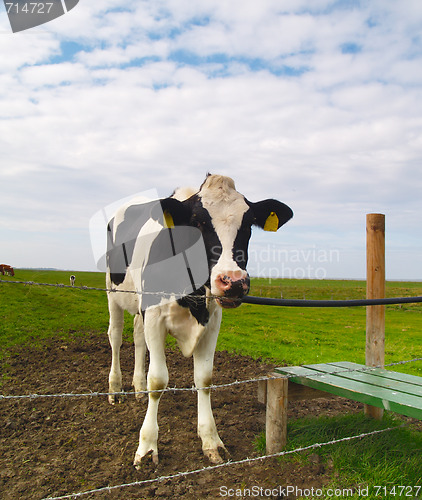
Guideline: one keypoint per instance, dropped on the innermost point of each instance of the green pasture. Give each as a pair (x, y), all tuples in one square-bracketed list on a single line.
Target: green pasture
[(286, 335)]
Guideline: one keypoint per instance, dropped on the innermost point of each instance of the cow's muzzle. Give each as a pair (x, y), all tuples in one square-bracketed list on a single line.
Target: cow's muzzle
[(233, 289)]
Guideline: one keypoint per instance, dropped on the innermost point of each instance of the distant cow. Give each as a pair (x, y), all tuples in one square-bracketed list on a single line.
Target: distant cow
[(5, 269), (72, 279), (147, 244)]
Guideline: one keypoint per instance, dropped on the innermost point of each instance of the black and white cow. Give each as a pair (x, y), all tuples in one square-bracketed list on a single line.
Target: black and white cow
[(138, 257)]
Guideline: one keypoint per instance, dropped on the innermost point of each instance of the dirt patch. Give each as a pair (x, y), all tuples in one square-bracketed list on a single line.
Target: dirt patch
[(57, 446)]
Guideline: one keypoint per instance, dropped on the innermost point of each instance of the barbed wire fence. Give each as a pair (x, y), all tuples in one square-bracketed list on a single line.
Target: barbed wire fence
[(226, 464), (196, 389), (250, 300)]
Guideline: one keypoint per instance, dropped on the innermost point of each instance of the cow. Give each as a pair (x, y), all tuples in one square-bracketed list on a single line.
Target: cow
[(220, 219), (6, 270)]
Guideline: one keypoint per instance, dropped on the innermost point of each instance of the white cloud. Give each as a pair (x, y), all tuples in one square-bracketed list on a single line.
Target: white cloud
[(53, 75), (25, 50)]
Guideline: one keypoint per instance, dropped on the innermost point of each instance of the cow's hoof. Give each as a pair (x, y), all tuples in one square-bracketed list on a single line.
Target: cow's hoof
[(140, 389), (140, 396), (115, 398), (214, 455), (139, 460)]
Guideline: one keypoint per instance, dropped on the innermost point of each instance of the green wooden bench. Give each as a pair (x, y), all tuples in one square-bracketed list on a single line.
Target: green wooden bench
[(397, 392)]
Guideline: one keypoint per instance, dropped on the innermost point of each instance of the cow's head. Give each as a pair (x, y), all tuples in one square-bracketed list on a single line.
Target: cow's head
[(225, 219)]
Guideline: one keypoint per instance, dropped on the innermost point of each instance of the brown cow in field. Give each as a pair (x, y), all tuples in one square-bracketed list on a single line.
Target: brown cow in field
[(8, 270)]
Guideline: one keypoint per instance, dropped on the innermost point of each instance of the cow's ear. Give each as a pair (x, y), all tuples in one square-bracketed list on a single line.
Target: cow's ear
[(271, 214), (173, 213)]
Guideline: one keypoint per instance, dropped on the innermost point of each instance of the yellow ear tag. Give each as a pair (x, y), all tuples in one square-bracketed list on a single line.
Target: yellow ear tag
[(271, 224), (168, 220)]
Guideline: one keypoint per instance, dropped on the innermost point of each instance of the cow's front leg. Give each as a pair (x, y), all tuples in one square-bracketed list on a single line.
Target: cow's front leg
[(139, 379), (155, 336), (203, 366), (115, 338)]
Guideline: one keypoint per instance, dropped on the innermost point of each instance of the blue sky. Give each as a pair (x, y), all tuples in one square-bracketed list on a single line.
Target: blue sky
[(317, 103)]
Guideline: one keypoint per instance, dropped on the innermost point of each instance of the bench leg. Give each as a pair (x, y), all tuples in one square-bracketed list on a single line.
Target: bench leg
[(276, 414)]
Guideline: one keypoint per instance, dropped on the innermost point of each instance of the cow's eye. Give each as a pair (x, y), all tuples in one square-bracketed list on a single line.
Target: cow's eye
[(198, 223)]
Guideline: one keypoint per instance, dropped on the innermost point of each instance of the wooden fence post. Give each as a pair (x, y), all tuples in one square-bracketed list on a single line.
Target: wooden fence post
[(276, 414), (375, 289), (262, 392)]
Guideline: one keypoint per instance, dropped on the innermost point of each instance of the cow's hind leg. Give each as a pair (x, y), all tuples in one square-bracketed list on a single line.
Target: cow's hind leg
[(203, 365), (115, 337), (155, 336), (139, 378)]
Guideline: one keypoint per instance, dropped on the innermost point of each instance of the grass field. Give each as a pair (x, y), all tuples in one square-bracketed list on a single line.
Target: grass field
[(285, 335)]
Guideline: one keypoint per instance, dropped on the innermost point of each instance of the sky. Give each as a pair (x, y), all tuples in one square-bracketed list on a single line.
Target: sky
[(316, 103)]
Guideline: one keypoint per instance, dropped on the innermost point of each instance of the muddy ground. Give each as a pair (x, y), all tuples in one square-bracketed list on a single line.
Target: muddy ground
[(52, 447)]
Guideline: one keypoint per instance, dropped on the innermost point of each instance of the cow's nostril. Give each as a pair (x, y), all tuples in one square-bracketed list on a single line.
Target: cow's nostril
[(225, 282), (236, 289)]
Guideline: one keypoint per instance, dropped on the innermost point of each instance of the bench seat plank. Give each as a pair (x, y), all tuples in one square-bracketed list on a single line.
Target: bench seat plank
[(402, 377), (370, 377), (320, 377)]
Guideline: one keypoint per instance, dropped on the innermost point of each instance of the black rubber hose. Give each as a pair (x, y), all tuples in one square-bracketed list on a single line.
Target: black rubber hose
[(266, 301)]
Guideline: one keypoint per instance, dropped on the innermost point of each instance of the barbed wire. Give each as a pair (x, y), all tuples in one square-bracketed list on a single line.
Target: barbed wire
[(83, 287), (225, 464), (196, 389), (248, 299)]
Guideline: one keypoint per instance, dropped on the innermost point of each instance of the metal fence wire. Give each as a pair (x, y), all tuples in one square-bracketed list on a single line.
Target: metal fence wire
[(248, 299)]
